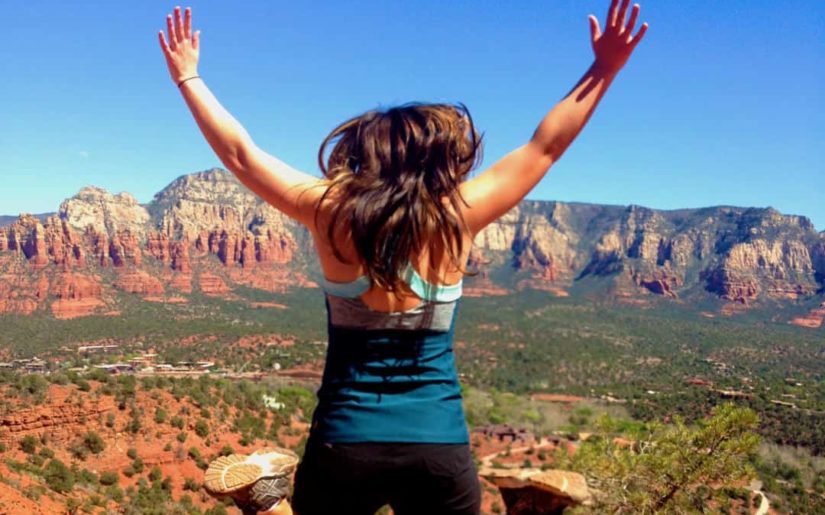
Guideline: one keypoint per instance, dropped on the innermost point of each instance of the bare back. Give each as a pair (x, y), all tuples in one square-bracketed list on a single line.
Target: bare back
[(376, 298)]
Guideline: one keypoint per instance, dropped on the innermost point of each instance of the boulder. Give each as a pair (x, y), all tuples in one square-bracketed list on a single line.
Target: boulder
[(530, 491)]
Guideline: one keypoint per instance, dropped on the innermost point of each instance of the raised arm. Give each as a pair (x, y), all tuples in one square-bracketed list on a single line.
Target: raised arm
[(289, 190), (499, 188)]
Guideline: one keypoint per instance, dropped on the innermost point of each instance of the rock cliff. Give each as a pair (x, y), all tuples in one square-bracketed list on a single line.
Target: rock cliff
[(207, 231)]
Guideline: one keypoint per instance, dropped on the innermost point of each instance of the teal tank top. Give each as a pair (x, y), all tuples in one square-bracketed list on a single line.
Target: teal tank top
[(390, 376)]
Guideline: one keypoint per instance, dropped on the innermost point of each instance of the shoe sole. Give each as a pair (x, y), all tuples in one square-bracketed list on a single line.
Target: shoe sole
[(231, 473)]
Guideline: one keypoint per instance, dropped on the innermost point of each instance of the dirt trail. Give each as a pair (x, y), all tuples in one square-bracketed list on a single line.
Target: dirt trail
[(487, 460)]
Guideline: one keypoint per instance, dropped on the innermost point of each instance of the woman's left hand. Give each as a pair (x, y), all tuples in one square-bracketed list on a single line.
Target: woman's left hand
[(183, 48)]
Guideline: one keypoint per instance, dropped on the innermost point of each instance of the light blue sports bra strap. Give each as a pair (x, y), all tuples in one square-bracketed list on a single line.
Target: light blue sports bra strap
[(429, 291), (350, 290), (419, 286)]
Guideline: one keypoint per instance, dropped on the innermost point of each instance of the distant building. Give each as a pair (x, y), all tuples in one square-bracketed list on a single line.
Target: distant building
[(783, 403), (698, 382), (97, 349), (271, 402), (31, 365), (36, 365), (504, 432), (734, 394), (116, 368)]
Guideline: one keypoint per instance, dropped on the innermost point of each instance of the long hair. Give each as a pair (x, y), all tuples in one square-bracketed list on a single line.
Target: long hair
[(393, 186)]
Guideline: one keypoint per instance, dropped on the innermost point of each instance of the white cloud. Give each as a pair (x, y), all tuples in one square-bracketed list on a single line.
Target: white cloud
[(83, 153)]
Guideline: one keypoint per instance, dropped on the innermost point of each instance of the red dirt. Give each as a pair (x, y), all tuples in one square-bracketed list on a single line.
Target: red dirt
[(68, 413), (556, 397)]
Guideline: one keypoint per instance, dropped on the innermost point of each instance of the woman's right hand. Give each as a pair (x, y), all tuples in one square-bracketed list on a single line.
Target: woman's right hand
[(183, 48), (614, 46)]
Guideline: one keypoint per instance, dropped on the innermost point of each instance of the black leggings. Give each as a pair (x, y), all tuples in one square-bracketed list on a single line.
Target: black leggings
[(413, 478)]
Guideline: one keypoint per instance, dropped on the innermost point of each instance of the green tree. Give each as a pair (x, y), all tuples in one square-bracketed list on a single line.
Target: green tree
[(28, 444), (201, 428), (669, 467), (58, 476), (94, 442), (109, 478)]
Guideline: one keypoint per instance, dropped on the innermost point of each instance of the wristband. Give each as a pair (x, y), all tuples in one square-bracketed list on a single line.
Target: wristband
[(188, 78)]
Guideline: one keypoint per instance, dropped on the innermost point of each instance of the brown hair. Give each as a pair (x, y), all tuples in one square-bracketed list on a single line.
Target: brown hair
[(390, 173)]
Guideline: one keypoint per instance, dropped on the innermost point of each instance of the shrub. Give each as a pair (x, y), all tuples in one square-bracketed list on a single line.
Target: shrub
[(34, 492), (195, 453), (58, 476), (98, 374), (59, 378), (114, 493), (79, 451), (86, 476), (28, 444), (134, 425), (672, 474), (33, 384), (94, 442), (155, 474), (191, 485), (182, 437), (109, 478), (160, 416), (36, 460), (201, 428), (132, 453)]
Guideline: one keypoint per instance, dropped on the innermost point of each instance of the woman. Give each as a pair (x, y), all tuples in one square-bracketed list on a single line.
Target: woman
[(393, 220)]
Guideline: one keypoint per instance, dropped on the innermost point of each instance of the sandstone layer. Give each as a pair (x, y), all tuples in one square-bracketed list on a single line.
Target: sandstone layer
[(206, 232)]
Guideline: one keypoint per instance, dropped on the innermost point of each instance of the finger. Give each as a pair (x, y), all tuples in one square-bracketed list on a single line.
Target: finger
[(163, 44), (187, 24), (639, 35), (196, 40), (171, 29), (622, 13), (178, 25), (611, 14), (595, 31), (634, 15)]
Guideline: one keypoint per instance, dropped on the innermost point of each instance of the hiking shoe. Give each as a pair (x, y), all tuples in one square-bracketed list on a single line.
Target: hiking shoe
[(237, 472)]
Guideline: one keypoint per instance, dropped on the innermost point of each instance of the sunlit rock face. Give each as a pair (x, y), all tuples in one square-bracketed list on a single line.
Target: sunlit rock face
[(736, 254), (528, 491), (205, 231), (206, 221), (105, 212), (220, 216)]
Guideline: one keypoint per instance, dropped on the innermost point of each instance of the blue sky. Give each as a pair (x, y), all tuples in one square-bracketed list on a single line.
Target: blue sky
[(723, 102)]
